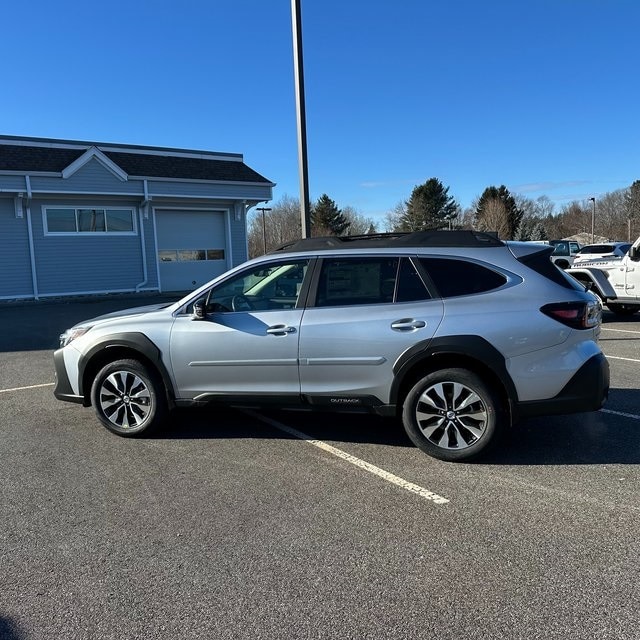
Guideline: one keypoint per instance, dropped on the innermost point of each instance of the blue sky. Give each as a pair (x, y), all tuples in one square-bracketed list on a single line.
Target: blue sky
[(540, 95)]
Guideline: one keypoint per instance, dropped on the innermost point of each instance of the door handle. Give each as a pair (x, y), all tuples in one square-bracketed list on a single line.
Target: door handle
[(408, 324), (280, 330)]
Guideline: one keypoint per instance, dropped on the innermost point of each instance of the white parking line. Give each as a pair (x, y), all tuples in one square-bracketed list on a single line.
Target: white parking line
[(33, 386), (621, 358), (619, 330), (377, 471), (621, 413)]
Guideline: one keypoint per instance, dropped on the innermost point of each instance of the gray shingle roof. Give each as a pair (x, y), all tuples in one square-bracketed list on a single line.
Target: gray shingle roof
[(152, 163)]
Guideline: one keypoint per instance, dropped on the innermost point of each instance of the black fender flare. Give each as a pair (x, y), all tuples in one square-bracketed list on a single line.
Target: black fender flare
[(464, 346), (133, 341)]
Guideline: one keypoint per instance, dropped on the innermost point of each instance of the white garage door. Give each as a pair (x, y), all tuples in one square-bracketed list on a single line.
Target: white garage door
[(192, 248)]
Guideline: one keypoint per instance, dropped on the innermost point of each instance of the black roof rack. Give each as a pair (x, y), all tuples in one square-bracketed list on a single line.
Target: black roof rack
[(428, 238)]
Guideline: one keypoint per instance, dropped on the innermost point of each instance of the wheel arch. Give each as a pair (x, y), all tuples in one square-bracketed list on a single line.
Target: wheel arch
[(455, 352), (596, 280), (136, 346)]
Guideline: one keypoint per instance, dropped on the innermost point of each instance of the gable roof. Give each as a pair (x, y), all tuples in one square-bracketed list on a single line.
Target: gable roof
[(44, 155)]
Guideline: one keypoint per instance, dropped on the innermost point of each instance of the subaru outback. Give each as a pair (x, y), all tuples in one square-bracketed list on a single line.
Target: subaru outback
[(457, 333)]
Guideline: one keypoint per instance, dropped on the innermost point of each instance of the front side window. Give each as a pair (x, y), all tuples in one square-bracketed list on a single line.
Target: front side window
[(87, 220), (261, 288)]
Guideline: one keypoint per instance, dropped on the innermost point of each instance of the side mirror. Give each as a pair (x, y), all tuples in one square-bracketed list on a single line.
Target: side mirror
[(634, 253), (200, 309)]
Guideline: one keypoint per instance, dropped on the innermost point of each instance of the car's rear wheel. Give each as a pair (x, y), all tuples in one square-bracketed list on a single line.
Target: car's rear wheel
[(128, 398), (452, 415)]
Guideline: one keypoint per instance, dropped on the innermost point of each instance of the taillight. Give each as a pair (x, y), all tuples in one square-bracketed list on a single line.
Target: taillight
[(577, 315)]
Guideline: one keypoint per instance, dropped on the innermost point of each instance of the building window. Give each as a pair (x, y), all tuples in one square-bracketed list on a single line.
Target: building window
[(88, 220), (190, 255)]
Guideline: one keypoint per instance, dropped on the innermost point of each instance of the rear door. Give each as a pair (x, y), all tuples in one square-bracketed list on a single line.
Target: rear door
[(364, 313)]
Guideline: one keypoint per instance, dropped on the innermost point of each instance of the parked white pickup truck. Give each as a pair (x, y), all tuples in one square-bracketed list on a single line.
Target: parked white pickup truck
[(615, 280)]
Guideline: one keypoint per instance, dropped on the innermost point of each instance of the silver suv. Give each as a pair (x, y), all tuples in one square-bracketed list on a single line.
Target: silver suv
[(457, 332)]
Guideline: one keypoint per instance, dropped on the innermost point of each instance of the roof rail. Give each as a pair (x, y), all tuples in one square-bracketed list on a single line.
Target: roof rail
[(427, 238)]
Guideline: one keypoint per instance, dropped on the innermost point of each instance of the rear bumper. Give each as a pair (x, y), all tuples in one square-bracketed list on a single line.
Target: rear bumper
[(586, 391)]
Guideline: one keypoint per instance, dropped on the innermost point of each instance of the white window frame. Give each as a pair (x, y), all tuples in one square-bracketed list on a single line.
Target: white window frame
[(89, 234)]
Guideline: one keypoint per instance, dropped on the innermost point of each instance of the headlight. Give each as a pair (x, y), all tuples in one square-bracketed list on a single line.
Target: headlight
[(71, 334)]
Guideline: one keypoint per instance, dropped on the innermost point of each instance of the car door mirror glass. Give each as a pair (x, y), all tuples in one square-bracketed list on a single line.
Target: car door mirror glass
[(200, 309)]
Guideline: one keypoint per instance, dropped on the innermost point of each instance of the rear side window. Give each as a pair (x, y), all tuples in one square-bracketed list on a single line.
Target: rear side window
[(355, 281), (453, 277)]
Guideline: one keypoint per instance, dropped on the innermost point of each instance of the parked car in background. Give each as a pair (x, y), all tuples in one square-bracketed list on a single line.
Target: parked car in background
[(564, 251), (601, 250)]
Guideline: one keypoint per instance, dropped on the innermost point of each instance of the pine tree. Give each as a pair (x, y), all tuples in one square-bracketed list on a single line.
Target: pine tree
[(327, 219), (429, 207)]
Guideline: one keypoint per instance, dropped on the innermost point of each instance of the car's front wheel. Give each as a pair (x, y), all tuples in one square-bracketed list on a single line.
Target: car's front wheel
[(452, 415), (128, 398)]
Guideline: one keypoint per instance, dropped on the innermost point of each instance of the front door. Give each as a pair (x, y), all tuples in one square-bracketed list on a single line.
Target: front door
[(248, 342)]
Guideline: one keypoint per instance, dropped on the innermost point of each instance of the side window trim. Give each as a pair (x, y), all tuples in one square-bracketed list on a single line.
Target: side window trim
[(307, 283), (426, 278)]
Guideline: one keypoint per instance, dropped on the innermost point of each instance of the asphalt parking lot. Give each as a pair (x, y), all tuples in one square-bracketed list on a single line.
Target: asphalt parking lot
[(235, 524)]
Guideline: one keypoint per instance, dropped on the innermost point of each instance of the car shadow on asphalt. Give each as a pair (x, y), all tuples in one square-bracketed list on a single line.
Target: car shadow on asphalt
[(222, 422), (610, 436), (9, 630)]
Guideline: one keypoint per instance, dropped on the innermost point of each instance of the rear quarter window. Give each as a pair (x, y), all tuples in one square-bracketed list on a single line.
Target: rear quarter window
[(453, 277), (541, 264)]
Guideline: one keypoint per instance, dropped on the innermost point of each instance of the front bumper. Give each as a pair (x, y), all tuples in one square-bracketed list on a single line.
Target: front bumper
[(63, 389)]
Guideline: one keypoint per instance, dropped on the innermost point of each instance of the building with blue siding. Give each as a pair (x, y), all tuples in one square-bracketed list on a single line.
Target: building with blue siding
[(81, 218)]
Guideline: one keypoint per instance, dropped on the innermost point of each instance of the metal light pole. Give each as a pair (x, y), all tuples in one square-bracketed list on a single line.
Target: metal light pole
[(593, 219), (305, 207), (264, 227)]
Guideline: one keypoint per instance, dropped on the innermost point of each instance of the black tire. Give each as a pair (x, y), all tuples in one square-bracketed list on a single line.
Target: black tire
[(128, 398), (623, 309), (452, 415)]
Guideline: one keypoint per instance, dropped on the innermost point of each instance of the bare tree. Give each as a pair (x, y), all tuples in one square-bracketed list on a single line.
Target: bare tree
[(467, 218), (632, 202), (544, 206), (359, 224), (574, 218), (273, 228), (495, 217), (394, 217), (611, 215)]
